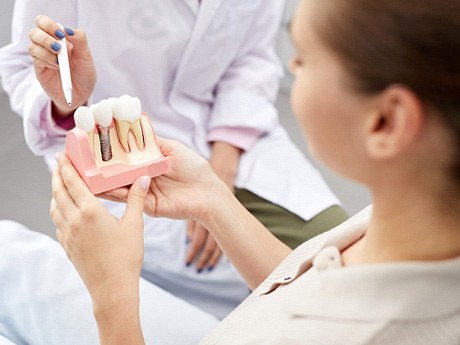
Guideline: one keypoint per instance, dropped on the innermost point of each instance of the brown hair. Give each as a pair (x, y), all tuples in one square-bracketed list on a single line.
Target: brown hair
[(411, 42)]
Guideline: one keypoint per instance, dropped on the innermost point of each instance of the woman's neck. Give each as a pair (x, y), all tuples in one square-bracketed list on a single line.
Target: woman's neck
[(408, 226)]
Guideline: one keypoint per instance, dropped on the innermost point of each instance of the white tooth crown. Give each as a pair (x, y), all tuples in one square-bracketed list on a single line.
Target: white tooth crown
[(103, 112), (84, 119), (127, 114), (127, 108)]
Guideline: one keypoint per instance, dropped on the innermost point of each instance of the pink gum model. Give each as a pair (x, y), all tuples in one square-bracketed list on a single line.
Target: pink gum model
[(83, 150)]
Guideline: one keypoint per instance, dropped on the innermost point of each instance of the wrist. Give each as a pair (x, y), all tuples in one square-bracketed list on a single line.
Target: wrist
[(225, 160), (119, 321), (115, 294), (120, 304), (215, 213)]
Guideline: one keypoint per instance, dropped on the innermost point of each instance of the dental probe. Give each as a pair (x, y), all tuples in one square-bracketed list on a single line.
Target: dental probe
[(64, 70)]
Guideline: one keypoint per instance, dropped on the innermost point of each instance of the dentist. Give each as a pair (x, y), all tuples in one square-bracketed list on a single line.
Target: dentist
[(208, 76)]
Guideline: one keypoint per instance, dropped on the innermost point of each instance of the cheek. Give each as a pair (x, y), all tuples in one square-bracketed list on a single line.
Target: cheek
[(304, 99), (314, 105), (300, 100)]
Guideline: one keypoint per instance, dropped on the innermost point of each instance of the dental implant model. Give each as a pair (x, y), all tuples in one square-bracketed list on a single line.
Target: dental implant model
[(113, 144), (103, 115)]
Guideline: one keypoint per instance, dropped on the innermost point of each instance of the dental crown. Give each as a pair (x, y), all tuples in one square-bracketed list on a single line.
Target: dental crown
[(84, 119), (102, 112), (127, 108)]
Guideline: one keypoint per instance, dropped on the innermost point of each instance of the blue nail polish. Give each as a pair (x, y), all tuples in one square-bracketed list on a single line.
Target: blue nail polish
[(59, 34), (55, 46), (69, 31), (187, 241), (199, 270), (210, 268), (188, 264)]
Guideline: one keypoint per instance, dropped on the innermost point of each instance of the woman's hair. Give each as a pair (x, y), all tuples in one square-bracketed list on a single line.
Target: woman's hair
[(411, 42)]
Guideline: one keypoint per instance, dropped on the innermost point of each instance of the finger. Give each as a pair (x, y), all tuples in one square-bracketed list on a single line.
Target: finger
[(49, 26), (197, 242), (59, 236), (214, 260), (78, 40), (45, 40), (61, 197), (117, 195), (62, 239), (39, 65), (56, 215), (44, 55), (207, 252), (190, 228), (136, 199), (166, 146), (75, 186)]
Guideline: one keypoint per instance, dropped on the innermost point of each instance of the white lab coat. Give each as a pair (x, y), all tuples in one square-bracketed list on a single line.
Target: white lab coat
[(194, 70)]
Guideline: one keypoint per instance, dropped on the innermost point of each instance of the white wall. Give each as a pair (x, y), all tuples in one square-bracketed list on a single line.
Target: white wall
[(6, 8)]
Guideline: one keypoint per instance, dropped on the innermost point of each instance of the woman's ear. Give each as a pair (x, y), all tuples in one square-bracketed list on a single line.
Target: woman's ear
[(394, 124)]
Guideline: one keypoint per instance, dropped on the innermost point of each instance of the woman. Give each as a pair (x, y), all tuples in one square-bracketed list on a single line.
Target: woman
[(376, 94)]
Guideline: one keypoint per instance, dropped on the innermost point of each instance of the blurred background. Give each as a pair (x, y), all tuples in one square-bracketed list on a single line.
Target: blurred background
[(25, 180)]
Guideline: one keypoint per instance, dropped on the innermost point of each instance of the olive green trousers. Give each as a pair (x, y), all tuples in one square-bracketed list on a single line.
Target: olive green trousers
[(287, 226)]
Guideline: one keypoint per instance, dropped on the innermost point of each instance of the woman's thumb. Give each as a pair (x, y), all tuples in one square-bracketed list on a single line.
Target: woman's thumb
[(136, 199)]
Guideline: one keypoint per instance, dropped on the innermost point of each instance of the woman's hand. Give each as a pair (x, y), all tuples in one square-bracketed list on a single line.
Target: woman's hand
[(106, 251), (224, 160), (188, 191), (191, 190), (44, 48)]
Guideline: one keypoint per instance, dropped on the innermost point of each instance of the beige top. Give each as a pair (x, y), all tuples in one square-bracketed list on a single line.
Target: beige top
[(312, 299)]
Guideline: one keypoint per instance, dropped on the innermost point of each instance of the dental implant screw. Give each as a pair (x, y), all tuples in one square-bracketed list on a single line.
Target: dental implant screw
[(106, 148)]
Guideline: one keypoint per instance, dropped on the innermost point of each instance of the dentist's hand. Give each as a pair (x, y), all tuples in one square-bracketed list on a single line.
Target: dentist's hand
[(44, 48), (106, 251)]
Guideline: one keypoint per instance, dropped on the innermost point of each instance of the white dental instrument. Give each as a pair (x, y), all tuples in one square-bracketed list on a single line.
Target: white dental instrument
[(64, 70)]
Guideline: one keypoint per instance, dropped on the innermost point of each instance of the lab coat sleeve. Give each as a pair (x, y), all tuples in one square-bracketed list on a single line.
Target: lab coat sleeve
[(247, 91), (27, 97)]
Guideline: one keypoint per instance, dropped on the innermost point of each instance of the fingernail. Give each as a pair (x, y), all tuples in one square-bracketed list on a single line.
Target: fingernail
[(187, 241), (188, 264), (69, 31), (144, 182), (210, 268), (199, 270), (59, 34), (55, 46), (57, 156)]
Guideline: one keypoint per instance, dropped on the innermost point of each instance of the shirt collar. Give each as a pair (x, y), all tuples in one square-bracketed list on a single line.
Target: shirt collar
[(380, 291)]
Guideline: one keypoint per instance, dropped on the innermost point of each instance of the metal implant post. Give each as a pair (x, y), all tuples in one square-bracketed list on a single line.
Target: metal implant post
[(106, 148)]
